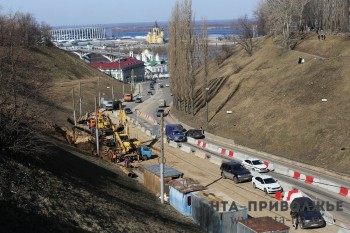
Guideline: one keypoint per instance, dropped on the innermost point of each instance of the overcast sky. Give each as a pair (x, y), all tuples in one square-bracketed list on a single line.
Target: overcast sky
[(89, 12)]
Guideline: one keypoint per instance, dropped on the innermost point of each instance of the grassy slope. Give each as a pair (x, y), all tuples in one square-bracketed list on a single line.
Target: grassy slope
[(277, 107), (65, 71)]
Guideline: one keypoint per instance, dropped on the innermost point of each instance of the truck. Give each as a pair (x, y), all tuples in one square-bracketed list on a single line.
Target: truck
[(162, 103), (128, 97), (175, 132), (145, 152)]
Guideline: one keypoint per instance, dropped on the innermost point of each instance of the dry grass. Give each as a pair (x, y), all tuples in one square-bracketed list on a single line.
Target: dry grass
[(277, 105), (65, 72)]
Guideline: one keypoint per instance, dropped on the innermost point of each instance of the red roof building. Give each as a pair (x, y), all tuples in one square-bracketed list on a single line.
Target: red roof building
[(121, 70)]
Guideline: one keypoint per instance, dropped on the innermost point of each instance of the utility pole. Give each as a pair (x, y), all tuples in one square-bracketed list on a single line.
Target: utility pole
[(206, 102), (162, 160), (99, 92), (112, 88), (122, 77), (80, 99), (96, 131), (74, 115)]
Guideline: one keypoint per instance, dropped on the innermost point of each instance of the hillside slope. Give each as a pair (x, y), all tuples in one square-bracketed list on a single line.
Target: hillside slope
[(62, 71), (60, 188), (67, 191), (277, 103)]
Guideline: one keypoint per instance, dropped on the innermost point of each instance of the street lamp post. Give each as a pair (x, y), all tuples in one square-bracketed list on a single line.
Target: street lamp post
[(112, 88), (206, 103)]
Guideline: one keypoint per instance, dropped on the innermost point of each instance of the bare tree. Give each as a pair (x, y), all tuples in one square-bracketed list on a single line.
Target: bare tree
[(20, 87), (204, 53), (245, 35)]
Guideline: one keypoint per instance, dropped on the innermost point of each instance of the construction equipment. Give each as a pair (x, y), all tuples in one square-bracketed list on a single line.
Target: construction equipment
[(103, 123), (124, 133)]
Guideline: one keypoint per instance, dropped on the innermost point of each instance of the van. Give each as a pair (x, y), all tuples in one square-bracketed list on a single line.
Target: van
[(235, 171), (175, 132)]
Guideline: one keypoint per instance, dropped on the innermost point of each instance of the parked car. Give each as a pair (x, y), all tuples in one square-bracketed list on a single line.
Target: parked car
[(267, 184), (160, 111), (175, 132), (309, 215), (235, 171), (108, 105), (195, 133), (255, 164), (128, 110), (151, 88), (149, 93), (161, 85), (138, 100), (167, 85)]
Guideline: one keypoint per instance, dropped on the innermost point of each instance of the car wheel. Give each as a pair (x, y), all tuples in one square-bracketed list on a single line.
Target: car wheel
[(254, 186), (223, 175), (235, 179), (144, 158), (265, 190), (300, 223)]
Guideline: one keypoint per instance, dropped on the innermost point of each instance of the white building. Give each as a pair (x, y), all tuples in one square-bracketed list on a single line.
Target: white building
[(154, 66)]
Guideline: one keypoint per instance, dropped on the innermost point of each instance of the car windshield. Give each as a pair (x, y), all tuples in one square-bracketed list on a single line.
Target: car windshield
[(160, 110), (145, 149), (257, 162), (196, 131), (109, 102), (269, 181), (176, 132), (238, 166)]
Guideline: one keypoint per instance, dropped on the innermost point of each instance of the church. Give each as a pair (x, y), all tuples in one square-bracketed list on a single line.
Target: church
[(155, 35)]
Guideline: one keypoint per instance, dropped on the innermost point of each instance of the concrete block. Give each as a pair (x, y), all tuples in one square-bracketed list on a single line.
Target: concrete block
[(241, 156), (280, 169), (148, 133), (200, 154), (329, 185), (191, 140), (173, 144), (212, 148), (186, 149)]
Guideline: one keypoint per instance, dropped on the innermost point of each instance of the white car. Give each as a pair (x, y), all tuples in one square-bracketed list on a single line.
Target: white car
[(267, 184), (166, 85), (255, 164)]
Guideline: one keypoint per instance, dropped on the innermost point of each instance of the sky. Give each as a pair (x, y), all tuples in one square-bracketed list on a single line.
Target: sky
[(88, 12)]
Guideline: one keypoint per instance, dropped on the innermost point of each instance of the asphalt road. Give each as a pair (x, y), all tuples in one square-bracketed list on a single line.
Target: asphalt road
[(342, 218)]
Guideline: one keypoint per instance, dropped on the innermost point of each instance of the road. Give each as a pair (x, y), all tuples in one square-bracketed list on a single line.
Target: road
[(209, 174)]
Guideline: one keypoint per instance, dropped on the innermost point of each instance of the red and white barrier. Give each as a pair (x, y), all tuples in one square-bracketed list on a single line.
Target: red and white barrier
[(290, 195), (201, 144)]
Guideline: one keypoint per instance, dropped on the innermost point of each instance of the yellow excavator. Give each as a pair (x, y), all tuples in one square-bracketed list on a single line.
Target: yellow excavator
[(103, 122), (124, 133)]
